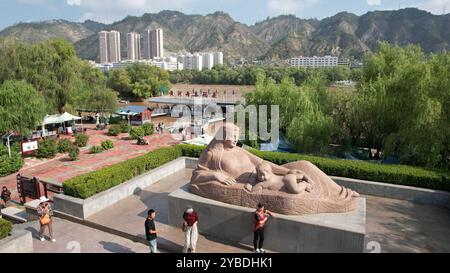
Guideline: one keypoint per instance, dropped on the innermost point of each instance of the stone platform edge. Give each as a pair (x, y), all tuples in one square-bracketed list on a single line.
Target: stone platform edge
[(318, 233), (83, 208)]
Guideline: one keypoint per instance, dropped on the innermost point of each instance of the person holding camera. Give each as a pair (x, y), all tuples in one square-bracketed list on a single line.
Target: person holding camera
[(45, 213)]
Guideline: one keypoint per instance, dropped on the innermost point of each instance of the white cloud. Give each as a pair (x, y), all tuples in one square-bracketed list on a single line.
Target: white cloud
[(373, 2), (73, 2), (435, 6), (277, 7)]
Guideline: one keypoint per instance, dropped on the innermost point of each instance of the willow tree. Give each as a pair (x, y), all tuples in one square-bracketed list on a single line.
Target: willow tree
[(22, 108)]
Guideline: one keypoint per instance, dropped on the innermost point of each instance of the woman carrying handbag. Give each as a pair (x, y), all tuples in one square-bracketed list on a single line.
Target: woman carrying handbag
[(45, 213)]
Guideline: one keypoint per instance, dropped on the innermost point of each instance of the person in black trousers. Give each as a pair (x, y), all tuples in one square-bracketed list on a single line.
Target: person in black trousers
[(260, 219)]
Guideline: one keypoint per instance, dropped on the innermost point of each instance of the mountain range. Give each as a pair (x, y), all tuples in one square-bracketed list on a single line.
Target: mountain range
[(344, 34)]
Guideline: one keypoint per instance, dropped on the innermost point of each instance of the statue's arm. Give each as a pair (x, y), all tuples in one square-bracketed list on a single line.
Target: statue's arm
[(203, 174), (278, 170)]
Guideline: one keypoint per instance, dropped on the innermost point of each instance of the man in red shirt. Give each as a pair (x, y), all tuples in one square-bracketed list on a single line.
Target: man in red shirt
[(190, 229)]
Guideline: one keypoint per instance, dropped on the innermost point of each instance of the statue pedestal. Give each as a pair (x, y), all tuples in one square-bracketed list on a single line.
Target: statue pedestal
[(318, 233)]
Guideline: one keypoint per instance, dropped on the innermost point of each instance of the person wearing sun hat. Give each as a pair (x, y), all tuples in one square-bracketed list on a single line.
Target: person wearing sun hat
[(45, 213)]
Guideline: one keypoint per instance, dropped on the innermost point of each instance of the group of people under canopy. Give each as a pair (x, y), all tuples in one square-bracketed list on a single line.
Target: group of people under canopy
[(59, 123)]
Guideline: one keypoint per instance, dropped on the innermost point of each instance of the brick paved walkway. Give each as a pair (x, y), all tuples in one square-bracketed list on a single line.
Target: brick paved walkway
[(60, 168)]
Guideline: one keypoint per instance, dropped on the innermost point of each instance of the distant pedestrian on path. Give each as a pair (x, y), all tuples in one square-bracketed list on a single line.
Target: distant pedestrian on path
[(45, 213), (190, 229), (6, 195), (150, 231), (260, 219)]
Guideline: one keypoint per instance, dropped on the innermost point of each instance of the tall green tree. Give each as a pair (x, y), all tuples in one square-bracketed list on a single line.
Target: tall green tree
[(22, 108)]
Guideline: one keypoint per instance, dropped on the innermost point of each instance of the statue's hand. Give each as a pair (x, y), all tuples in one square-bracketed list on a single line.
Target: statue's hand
[(224, 179)]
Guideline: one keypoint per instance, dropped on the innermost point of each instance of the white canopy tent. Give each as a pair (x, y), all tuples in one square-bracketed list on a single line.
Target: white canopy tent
[(58, 119)]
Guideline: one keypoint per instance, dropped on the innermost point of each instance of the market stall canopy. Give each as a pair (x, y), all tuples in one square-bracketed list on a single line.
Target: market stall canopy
[(55, 119)]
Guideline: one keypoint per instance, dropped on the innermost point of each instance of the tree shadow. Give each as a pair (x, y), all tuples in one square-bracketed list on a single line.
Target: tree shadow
[(409, 227), (115, 248)]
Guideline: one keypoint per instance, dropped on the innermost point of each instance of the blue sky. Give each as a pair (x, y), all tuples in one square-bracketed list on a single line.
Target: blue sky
[(247, 11)]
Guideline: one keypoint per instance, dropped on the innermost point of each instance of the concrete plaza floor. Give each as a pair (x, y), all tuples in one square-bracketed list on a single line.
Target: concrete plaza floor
[(132, 212), (76, 238), (391, 225)]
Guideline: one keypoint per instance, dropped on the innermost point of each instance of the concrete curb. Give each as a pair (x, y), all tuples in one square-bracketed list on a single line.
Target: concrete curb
[(408, 193)]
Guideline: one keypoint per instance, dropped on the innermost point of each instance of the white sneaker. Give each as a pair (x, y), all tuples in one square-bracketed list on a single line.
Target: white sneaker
[(42, 239), (256, 250), (53, 240), (261, 250)]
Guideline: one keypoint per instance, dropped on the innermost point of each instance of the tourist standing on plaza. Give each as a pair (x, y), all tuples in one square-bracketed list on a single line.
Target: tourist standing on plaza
[(45, 213), (190, 229), (260, 220), (150, 231), (6, 195)]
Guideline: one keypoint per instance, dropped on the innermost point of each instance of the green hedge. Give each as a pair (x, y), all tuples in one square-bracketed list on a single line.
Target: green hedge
[(395, 174), (87, 185), (5, 228)]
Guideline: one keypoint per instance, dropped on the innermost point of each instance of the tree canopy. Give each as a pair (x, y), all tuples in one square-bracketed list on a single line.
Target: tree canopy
[(53, 69), (21, 107), (139, 81)]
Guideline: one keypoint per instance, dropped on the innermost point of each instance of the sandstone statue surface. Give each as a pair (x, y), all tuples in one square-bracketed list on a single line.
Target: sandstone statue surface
[(230, 174)]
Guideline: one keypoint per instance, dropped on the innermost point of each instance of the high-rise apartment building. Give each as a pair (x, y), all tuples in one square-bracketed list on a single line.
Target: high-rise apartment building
[(114, 47), (218, 58), (109, 46), (133, 46), (207, 60), (103, 47), (153, 44)]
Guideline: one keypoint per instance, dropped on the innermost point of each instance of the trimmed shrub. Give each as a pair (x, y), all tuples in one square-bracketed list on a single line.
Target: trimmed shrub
[(5, 228), (394, 174), (115, 120), (81, 140), (107, 144), (124, 127), (148, 129), (87, 185), (64, 145), (114, 130), (96, 149), (47, 148), (10, 165), (74, 153), (137, 132)]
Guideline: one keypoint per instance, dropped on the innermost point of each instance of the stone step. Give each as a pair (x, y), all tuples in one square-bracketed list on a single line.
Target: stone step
[(15, 214)]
